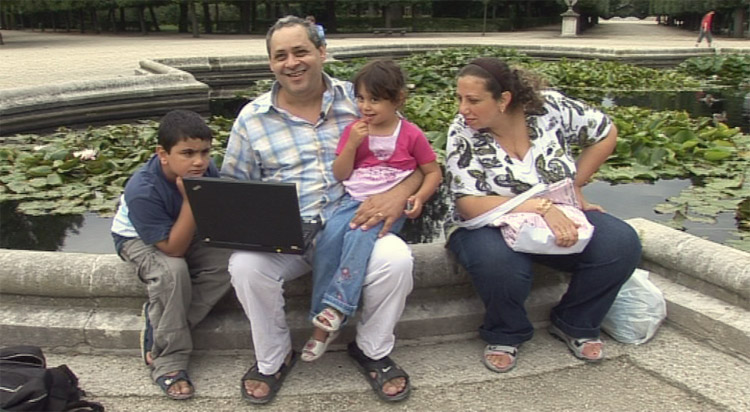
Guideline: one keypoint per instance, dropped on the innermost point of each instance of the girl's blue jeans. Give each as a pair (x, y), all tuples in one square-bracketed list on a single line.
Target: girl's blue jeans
[(503, 277), (341, 257)]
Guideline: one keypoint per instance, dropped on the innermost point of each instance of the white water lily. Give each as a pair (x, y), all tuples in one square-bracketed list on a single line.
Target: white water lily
[(85, 154)]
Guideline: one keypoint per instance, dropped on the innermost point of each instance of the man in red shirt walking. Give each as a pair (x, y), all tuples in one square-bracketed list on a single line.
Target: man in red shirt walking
[(706, 29)]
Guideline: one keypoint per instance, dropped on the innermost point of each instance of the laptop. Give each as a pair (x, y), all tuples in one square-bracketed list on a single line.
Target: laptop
[(249, 215)]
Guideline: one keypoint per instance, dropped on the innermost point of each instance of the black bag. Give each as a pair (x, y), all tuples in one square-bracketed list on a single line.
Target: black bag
[(26, 384)]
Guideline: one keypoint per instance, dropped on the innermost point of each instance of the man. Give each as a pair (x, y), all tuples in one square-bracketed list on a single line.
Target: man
[(290, 134), (705, 30)]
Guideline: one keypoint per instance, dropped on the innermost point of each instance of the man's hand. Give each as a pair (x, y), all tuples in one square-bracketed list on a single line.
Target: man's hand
[(384, 207)]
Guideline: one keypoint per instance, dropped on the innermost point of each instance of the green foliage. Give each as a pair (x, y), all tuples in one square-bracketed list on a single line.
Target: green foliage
[(44, 175), (56, 175), (726, 70)]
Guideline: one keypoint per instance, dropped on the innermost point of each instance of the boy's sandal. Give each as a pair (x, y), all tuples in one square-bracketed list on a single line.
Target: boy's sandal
[(334, 318), (384, 369), (314, 348), (165, 382), (576, 345), (509, 351), (147, 336), (274, 384)]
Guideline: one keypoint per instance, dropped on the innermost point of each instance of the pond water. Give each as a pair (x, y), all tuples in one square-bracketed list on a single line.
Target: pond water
[(89, 233)]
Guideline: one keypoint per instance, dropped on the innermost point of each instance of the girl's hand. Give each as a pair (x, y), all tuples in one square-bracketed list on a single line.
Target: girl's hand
[(564, 229), (413, 207), (358, 132)]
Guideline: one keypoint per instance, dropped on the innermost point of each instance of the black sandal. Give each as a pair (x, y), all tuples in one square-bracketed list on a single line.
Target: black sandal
[(147, 336), (384, 369), (274, 384), (165, 382)]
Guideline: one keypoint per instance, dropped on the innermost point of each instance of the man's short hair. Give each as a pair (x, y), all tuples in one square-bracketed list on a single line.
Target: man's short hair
[(180, 125), (290, 21)]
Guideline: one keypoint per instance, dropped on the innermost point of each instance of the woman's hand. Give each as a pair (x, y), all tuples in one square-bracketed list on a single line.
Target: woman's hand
[(564, 229), (585, 205)]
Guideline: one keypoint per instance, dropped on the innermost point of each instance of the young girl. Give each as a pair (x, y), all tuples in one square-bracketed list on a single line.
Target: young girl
[(374, 154)]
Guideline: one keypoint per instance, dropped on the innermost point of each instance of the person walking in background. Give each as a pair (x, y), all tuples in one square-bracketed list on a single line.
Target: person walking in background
[(705, 30), (321, 31), (375, 153)]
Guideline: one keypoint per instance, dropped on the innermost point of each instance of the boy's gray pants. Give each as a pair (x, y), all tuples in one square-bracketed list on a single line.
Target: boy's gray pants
[(181, 292)]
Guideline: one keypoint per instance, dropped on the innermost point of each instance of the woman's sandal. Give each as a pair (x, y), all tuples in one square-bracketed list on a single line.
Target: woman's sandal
[(274, 384), (165, 382), (334, 318), (384, 369), (576, 345), (509, 351), (314, 348)]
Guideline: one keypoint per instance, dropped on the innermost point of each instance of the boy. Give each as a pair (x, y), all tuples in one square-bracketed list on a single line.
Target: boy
[(154, 229)]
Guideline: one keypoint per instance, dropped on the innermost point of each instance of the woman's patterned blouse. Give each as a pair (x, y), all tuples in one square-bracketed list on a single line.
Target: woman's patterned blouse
[(478, 166)]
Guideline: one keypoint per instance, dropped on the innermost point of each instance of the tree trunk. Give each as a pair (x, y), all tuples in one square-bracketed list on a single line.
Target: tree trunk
[(154, 21), (182, 25), (82, 17), (142, 19), (245, 16), (112, 20), (217, 18), (738, 22), (95, 21), (123, 23), (331, 25), (193, 19), (207, 26)]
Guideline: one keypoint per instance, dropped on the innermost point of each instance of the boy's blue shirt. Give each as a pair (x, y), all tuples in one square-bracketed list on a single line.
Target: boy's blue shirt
[(150, 205)]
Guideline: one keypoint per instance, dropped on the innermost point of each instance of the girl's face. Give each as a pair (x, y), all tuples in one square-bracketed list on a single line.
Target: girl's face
[(476, 104), (376, 111)]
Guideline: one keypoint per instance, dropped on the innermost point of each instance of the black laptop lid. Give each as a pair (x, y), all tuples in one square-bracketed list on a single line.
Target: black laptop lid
[(249, 215)]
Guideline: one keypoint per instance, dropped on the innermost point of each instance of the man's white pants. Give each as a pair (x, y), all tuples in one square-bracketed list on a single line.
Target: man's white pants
[(258, 279)]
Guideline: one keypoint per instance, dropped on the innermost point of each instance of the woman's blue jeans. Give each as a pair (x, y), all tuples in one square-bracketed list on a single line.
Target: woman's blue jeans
[(341, 257), (503, 277)]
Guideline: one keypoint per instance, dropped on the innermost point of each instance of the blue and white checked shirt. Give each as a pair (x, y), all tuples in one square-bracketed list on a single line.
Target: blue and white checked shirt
[(270, 144)]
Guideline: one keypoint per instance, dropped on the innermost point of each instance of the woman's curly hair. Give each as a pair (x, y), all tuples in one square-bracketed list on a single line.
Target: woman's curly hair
[(523, 85)]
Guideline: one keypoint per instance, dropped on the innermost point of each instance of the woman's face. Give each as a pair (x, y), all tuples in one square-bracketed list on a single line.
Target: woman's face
[(475, 102)]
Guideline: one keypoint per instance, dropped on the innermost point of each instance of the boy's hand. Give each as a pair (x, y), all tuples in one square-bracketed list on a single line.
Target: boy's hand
[(413, 207), (181, 187), (358, 132)]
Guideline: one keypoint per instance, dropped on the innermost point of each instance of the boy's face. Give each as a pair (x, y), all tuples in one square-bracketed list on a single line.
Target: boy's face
[(296, 63), (189, 157)]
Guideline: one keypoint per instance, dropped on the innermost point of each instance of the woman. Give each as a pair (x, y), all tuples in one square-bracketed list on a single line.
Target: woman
[(507, 137)]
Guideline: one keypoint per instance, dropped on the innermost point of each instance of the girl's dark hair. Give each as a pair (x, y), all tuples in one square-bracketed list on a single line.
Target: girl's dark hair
[(499, 77), (383, 79), (180, 125)]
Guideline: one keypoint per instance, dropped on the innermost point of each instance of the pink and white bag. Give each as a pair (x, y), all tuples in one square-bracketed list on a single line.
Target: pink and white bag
[(528, 232)]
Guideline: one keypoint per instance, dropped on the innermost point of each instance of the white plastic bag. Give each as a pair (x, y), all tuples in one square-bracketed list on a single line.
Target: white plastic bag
[(637, 312)]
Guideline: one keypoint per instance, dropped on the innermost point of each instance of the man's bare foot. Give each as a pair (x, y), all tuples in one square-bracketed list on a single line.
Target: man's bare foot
[(319, 334), (258, 389), (149, 359), (393, 386)]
